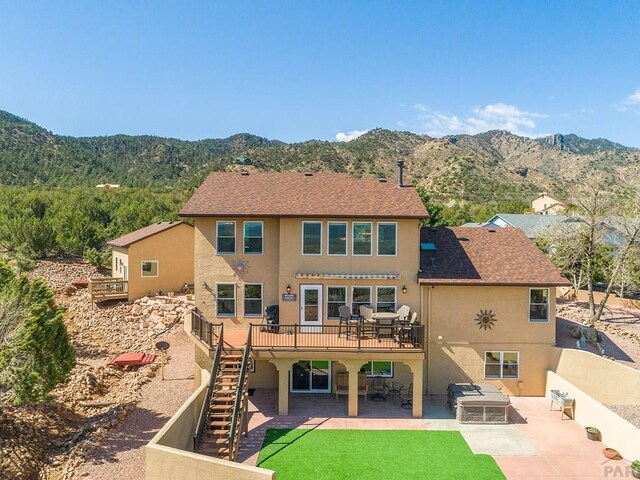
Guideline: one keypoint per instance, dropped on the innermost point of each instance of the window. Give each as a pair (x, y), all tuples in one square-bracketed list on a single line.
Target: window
[(337, 244), (378, 369), (226, 299), (312, 238), (539, 305), (387, 239), (252, 299), (361, 238), (253, 238), (150, 268), (336, 297), (386, 299), (226, 237), (501, 364), (360, 296)]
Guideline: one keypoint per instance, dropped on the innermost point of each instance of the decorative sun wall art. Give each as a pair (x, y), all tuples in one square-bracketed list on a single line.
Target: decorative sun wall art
[(240, 266), (486, 319)]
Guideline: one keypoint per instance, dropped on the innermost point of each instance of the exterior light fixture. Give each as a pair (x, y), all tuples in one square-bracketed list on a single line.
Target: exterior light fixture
[(404, 289), (288, 288), (204, 285)]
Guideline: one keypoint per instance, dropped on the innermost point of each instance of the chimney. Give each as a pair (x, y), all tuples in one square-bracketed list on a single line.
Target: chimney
[(400, 169)]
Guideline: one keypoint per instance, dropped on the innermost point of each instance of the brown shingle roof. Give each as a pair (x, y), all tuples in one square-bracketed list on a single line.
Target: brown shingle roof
[(300, 195), (469, 256), (143, 233)]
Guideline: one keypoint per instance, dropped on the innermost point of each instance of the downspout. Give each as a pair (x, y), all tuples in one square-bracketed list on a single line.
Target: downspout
[(428, 341)]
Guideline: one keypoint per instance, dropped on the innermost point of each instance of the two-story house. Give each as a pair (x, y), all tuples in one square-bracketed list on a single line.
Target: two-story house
[(309, 243)]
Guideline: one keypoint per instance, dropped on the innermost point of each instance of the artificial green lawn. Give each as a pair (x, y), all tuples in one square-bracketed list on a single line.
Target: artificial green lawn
[(313, 454)]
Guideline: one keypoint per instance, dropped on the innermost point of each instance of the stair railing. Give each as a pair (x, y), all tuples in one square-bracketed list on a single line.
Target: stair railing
[(215, 368), (240, 406)]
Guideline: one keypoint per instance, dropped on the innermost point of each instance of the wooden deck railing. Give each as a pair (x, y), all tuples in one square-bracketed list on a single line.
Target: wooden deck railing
[(336, 338), (108, 289)]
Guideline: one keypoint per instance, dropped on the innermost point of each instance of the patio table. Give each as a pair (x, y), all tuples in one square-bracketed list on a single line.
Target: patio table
[(379, 316), (394, 388)]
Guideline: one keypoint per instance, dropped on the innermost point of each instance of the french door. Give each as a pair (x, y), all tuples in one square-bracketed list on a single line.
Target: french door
[(310, 307), (311, 376)]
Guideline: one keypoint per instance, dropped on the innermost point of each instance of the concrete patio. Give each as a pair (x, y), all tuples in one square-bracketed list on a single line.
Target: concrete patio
[(537, 444)]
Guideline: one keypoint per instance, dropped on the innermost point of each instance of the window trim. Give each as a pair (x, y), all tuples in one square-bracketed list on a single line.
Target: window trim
[(235, 237), (395, 295), (378, 239), (157, 269), (346, 242), (370, 362), (302, 239), (244, 299), (244, 236), (235, 302), (501, 364), (548, 304), (353, 240), (346, 299)]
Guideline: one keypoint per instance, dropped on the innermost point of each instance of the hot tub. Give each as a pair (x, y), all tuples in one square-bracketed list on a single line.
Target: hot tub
[(478, 403)]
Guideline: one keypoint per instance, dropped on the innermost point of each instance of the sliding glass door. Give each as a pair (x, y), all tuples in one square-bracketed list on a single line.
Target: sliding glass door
[(311, 376)]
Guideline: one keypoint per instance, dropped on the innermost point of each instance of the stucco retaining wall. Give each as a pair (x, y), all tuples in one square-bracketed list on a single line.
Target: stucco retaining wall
[(616, 432), (169, 454)]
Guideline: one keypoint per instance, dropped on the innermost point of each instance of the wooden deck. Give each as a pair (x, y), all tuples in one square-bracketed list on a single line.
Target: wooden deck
[(102, 289), (326, 338)]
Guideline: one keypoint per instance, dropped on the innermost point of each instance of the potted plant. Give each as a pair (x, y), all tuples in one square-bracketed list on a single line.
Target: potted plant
[(611, 454), (593, 433), (635, 468)]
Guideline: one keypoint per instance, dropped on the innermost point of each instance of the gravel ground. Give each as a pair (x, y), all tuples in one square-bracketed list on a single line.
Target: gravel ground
[(121, 455), (631, 413)]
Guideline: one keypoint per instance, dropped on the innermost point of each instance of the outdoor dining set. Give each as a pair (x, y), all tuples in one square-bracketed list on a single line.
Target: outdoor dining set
[(367, 323)]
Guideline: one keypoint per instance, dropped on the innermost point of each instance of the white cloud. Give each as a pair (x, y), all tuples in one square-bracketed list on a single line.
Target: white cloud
[(348, 136), (634, 98), (495, 116)]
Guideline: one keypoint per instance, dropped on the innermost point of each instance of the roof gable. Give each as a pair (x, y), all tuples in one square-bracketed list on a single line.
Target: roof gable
[(293, 194), (145, 232)]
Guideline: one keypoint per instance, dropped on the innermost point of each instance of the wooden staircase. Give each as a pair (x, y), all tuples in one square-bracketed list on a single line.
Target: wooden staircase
[(217, 434)]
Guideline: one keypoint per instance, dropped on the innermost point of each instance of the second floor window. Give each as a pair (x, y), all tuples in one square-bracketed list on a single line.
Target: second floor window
[(386, 299), (360, 296), (539, 305), (387, 239), (253, 238), (226, 299), (312, 238), (337, 238), (226, 237), (361, 238), (252, 299), (336, 297)]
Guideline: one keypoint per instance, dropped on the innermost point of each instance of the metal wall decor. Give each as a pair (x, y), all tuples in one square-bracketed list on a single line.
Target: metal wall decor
[(486, 319), (240, 266)]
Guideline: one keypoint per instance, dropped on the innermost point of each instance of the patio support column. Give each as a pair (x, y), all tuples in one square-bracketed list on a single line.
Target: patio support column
[(284, 367), (417, 367), (353, 367)]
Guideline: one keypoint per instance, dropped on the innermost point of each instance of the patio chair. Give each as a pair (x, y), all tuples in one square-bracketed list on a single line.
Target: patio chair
[(406, 399), (403, 313), (366, 319), (348, 321), (342, 384), (405, 332), (379, 388)]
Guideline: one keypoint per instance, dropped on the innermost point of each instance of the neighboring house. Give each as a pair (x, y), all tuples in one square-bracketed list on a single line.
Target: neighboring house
[(532, 225), (310, 243), (489, 306), (157, 258), (545, 204)]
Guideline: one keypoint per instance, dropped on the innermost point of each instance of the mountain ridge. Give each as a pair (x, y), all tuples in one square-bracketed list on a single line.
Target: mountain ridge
[(493, 165)]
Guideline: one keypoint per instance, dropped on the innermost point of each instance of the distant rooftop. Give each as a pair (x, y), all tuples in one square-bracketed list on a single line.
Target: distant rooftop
[(143, 233), (471, 256), (290, 194), (532, 225)]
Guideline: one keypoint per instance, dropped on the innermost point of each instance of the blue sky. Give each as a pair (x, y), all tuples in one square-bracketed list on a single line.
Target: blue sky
[(327, 70)]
